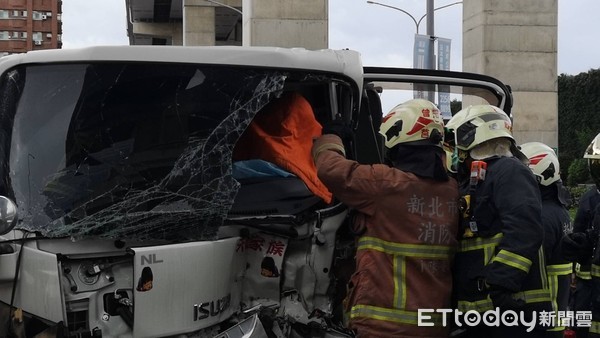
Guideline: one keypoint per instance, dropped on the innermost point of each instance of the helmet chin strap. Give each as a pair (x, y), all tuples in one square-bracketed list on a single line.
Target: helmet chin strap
[(455, 158)]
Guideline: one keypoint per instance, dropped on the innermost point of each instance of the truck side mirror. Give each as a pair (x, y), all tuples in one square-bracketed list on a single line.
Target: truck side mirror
[(8, 215)]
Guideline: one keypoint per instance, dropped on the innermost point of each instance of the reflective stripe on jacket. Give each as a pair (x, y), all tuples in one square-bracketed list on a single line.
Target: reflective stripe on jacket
[(559, 276), (583, 271)]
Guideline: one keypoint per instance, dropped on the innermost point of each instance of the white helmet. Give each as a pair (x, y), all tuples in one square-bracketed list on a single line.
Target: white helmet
[(413, 121), (593, 150), (543, 162), (477, 124), (592, 153)]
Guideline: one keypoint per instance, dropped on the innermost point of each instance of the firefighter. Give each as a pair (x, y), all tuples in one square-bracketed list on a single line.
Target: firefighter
[(499, 263), (579, 246), (407, 219), (544, 164)]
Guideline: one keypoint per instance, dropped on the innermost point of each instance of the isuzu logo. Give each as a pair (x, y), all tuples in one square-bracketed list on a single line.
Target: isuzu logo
[(211, 308)]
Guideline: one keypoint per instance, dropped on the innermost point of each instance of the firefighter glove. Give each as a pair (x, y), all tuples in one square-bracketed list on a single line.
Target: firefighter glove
[(503, 299), (576, 247), (339, 128)]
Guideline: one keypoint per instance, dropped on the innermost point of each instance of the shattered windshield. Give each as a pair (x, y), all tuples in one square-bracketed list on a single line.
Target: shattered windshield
[(124, 150)]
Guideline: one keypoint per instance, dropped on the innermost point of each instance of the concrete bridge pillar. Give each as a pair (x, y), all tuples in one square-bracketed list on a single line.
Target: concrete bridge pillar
[(286, 23), (516, 42)]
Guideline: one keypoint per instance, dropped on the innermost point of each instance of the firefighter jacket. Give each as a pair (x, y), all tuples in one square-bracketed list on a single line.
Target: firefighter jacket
[(587, 220), (584, 295), (586, 211), (583, 223), (506, 248), (557, 222), (594, 331), (403, 257)]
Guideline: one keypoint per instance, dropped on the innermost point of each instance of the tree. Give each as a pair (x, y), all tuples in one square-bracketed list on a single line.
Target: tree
[(578, 172), (578, 122)]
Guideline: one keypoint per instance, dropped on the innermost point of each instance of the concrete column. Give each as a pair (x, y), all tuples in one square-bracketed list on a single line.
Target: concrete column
[(170, 31), (177, 37), (286, 23), (198, 23), (515, 41)]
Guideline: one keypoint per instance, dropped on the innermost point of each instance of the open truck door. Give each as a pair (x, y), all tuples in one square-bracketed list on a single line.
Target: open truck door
[(384, 88)]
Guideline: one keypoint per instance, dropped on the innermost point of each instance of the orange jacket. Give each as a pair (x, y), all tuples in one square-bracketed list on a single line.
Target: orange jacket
[(283, 133)]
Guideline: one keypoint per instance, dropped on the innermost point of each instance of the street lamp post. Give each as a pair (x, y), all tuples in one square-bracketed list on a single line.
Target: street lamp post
[(417, 23), (430, 24), (430, 59), (437, 8), (430, 33)]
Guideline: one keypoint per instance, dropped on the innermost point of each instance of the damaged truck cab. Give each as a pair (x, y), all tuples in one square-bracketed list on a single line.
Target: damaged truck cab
[(126, 211)]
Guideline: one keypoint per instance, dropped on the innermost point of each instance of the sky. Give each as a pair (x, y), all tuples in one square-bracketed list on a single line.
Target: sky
[(383, 36)]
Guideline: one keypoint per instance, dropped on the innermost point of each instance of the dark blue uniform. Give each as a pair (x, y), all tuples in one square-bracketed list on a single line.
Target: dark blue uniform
[(587, 220), (583, 223), (505, 251), (557, 222)]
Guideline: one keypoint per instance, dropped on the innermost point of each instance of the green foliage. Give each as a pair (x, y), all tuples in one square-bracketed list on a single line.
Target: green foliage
[(578, 172), (578, 122), (572, 213), (576, 192)]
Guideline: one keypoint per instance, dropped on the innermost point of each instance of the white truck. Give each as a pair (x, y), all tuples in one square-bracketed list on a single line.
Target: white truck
[(120, 211)]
